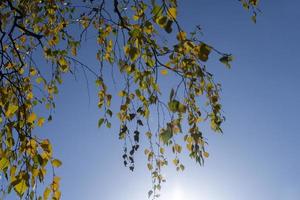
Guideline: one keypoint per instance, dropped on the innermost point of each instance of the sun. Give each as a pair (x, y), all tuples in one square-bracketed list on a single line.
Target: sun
[(178, 194)]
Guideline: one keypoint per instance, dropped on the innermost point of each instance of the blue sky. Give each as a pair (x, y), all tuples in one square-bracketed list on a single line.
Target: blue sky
[(257, 157)]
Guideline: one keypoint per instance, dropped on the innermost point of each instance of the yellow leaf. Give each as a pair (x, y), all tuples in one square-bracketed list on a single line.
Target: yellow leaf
[(74, 50), (41, 121), (56, 163), (181, 36), (39, 80), (122, 93), (135, 17), (56, 195), (176, 161), (21, 187), (53, 41), (205, 154), (164, 72), (172, 13), (4, 163), (29, 95), (31, 118), (21, 70), (32, 71), (177, 148), (11, 110), (23, 38), (55, 183), (161, 150), (63, 64), (85, 21), (46, 193)]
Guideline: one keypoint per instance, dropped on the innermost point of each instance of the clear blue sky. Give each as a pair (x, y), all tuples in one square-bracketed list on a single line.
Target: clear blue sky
[(257, 158)]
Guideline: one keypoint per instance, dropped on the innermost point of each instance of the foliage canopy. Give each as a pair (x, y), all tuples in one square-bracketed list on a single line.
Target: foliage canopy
[(129, 36)]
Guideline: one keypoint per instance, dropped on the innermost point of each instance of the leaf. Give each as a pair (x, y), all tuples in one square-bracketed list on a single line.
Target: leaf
[(166, 135), (150, 167), (74, 50), (85, 21), (100, 122), (109, 112), (150, 193), (32, 71), (172, 13), (204, 51), (175, 161), (21, 187), (4, 163), (164, 72), (171, 94), (108, 125), (56, 163), (181, 36), (253, 18), (168, 26), (205, 154), (63, 64), (122, 93), (133, 53), (162, 20), (254, 2), (31, 118), (181, 108), (173, 105), (11, 110), (177, 148), (46, 193), (226, 59), (41, 121)]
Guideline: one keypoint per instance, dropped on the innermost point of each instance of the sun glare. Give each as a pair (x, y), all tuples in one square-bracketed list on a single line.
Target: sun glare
[(177, 194)]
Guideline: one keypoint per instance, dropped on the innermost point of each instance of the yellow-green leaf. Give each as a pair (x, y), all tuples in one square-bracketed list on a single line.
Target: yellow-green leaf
[(11, 110), (4, 163), (63, 64), (56, 163)]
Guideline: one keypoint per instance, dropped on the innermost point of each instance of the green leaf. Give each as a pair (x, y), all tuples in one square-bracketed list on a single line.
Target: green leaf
[(166, 135), (204, 52), (108, 125), (109, 112), (100, 122), (173, 105), (226, 60), (181, 108), (133, 53), (157, 10), (168, 26)]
